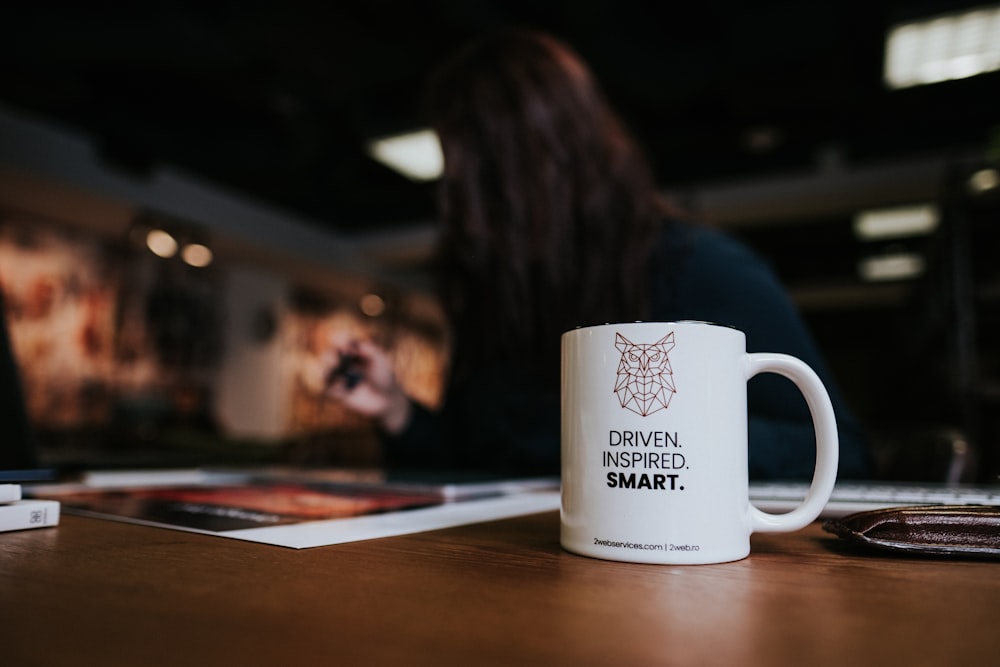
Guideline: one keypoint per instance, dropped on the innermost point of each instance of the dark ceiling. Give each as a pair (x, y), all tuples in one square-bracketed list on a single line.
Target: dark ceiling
[(276, 100)]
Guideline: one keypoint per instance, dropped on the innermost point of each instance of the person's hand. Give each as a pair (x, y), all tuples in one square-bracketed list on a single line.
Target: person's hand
[(360, 375)]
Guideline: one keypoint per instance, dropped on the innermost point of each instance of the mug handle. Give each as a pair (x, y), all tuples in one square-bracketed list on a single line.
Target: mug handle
[(827, 441)]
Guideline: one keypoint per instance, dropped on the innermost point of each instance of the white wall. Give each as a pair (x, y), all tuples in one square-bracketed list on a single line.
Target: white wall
[(251, 394)]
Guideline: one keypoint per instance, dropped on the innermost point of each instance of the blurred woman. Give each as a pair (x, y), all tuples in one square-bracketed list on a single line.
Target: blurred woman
[(551, 219)]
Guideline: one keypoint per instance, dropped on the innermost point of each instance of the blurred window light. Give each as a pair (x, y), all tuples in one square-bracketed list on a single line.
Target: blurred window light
[(894, 266), (897, 222), (943, 48), (984, 180), (197, 255), (417, 155), (161, 243)]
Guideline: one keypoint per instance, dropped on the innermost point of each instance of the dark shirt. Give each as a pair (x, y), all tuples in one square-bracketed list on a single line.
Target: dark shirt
[(507, 420)]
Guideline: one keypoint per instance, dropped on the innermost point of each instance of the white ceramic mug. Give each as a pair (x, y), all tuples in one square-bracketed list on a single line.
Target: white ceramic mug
[(654, 442)]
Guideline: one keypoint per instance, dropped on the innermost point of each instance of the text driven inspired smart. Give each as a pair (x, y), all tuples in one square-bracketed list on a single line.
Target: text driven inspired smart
[(644, 460)]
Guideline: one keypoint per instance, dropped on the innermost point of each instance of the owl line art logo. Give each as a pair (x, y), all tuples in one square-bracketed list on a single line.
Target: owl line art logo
[(645, 379)]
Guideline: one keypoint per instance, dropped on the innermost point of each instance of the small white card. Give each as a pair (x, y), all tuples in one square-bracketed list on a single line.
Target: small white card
[(10, 493)]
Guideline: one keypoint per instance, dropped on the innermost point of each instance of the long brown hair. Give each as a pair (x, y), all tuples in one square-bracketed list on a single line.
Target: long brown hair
[(547, 204)]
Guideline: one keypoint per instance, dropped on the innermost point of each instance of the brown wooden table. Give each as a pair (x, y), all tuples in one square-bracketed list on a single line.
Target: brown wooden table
[(95, 592)]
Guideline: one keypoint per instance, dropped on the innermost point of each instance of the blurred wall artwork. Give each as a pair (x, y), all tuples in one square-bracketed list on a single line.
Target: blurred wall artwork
[(119, 342), (61, 297)]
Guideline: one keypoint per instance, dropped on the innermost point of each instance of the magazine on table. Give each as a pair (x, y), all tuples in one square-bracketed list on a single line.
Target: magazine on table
[(297, 509)]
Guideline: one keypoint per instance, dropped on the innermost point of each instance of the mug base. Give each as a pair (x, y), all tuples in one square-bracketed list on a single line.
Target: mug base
[(662, 555)]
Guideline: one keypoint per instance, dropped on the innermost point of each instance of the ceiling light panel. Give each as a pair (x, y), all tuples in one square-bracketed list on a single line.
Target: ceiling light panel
[(943, 48), (416, 155), (894, 266), (895, 223)]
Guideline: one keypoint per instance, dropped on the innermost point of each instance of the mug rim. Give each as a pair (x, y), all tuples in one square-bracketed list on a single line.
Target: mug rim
[(584, 327)]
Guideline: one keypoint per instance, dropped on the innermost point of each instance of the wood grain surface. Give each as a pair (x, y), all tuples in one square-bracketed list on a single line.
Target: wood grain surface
[(96, 592)]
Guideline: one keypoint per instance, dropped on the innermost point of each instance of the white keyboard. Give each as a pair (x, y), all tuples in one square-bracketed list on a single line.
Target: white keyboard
[(850, 497)]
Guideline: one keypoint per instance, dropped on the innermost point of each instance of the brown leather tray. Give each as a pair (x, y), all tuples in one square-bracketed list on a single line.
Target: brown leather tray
[(941, 530)]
